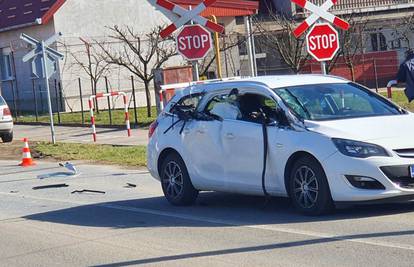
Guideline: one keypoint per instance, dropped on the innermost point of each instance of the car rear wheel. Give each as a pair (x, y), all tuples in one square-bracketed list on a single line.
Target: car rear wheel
[(7, 137), (176, 183), (308, 187)]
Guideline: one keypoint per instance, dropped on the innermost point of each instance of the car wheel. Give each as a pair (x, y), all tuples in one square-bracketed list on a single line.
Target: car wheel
[(176, 183), (7, 137), (308, 187)]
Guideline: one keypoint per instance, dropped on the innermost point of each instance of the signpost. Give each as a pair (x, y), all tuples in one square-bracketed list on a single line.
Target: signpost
[(47, 57), (193, 42), (191, 39), (323, 39)]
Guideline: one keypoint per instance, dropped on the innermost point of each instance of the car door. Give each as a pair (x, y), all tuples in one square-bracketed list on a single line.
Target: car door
[(243, 146), (202, 145)]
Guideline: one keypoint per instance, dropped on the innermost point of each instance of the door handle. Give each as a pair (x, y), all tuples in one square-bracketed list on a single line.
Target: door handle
[(201, 131), (230, 136)]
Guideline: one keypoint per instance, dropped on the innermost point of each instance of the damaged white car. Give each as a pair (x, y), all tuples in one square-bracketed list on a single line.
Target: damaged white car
[(319, 140)]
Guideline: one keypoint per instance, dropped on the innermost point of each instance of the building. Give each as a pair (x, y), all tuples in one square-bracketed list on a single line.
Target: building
[(81, 22)]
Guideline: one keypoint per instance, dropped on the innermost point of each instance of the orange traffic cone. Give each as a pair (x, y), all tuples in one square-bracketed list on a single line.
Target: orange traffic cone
[(27, 160)]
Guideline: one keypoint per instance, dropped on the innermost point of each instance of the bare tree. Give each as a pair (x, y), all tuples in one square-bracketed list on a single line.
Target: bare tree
[(403, 30), (91, 62), (352, 43), (139, 53), (229, 43), (276, 32)]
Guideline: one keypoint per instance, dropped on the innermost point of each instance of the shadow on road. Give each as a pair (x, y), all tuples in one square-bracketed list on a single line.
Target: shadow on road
[(210, 210)]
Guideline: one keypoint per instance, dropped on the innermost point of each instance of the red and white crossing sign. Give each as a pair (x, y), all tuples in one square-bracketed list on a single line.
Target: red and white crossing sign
[(317, 13), (322, 41), (194, 42), (186, 16)]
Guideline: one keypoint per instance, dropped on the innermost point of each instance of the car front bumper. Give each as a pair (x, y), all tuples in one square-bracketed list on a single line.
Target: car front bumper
[(337, 166), (6, 126)]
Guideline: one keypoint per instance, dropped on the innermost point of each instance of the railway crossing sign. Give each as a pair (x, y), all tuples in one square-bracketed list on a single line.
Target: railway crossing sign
[(193, 42), (322, 41), (318, 12), (184, 16), (44, 65)]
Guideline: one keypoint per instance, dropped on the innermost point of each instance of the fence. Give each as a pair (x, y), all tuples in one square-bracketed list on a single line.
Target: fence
[(70, 105)]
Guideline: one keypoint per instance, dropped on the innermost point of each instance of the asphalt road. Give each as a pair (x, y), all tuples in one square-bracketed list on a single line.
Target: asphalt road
[(136, 226)]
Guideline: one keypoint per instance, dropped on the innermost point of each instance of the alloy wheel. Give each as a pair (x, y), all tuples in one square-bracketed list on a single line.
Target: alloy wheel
[(306, 187), (173, 179)]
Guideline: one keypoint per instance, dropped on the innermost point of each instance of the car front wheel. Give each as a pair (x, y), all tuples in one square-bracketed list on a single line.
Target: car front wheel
[(176, 183), (7, 137), (308, 187)]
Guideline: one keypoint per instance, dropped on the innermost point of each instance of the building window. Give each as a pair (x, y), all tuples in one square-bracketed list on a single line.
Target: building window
[(378, 42), (6, 65), (239, 20)]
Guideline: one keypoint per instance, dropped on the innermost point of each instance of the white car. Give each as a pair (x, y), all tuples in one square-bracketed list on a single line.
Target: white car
[(319, 140), (6, 122)]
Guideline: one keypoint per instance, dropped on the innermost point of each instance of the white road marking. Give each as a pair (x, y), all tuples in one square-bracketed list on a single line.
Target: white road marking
[(231, 223)]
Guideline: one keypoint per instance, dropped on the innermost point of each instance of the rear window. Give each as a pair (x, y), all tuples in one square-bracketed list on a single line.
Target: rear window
[(2, 101)]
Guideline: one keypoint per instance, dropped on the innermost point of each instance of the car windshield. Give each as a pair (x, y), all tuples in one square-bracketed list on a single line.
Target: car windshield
[(335, 101)]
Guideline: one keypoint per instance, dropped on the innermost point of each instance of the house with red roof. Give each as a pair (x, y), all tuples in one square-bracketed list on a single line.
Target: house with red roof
[(81, 20)]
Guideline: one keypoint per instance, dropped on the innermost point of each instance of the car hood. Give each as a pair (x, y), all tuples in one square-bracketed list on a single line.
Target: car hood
[(393, 132)]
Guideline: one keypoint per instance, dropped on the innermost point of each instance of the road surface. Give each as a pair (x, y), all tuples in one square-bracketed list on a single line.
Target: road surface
[(135, 226)]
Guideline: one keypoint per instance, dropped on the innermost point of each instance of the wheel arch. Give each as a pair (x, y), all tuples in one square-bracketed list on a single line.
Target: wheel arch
[(291, 161), (167, 151)]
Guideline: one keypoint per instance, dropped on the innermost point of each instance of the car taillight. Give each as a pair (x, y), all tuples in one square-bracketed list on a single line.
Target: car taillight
[(152, 128), (6, 112)]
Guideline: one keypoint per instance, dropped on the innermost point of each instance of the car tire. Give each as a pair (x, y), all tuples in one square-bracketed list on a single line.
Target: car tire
[(176, 183), (309, 188), (7, 137)]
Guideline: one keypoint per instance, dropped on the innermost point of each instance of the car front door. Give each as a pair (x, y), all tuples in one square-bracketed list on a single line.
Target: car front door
[(243, 148)]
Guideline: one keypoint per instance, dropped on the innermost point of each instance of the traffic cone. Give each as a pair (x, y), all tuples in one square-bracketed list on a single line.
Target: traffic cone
[(27, 160)]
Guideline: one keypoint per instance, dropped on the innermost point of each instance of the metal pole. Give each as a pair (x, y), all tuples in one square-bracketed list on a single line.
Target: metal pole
[(15, 78), (49, 101), (109, 100), (135, 101), (14, 100), (376, 76), (196, 72), (323, 67), (57, 101), (217, 49), (81, 100), (250, 46), (35, 100)]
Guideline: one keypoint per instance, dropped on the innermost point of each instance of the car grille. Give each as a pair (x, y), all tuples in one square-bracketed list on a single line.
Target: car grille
[(399, 175), (405, 153)]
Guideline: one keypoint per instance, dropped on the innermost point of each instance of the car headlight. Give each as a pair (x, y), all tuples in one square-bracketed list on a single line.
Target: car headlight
[(358, 149)]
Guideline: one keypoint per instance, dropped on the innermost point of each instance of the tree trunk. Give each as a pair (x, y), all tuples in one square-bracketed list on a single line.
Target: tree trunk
[(148, 96), (352, 71)]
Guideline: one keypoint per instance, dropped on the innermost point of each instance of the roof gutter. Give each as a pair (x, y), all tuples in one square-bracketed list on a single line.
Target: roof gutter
[(38, 21)]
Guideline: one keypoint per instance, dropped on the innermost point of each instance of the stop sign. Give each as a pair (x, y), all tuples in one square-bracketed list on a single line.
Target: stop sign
[(193, 42), (322, 42)]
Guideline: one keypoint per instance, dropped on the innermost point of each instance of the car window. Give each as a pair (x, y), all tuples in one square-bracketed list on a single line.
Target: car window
[(2, 101), (335, 101), (224, 106), (252, 107), (189, 100)]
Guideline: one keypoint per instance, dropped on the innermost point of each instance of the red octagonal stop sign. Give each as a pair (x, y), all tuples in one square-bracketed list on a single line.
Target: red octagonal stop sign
[(322, 42), (193, 42)]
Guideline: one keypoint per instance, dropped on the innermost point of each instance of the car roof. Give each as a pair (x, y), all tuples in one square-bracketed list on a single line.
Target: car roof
[(281, 81), (274, 82)]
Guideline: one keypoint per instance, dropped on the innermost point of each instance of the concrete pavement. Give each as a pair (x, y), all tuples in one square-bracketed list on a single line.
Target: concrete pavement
[(136, 226), (109, 136)]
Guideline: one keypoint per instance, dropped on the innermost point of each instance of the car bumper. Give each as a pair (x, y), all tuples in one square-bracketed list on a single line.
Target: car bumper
[(338, 166), (152, 159), (6, 126)]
